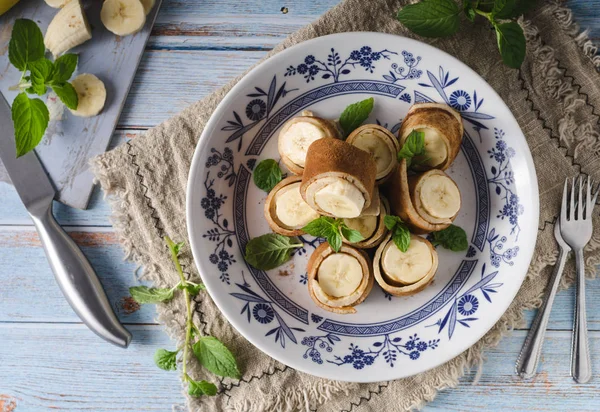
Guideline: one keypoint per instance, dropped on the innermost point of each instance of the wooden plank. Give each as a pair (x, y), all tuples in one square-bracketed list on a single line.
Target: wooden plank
[(72, 141), (67, 367), (29, 292), (12, 211)]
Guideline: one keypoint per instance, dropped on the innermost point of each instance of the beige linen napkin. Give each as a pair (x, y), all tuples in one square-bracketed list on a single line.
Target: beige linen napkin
[(554, 96)]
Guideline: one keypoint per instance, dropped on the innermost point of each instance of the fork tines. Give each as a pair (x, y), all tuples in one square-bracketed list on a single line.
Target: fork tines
[(577, 209)]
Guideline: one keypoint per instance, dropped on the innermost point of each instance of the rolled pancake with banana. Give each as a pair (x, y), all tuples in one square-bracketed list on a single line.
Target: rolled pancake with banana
[(427, 202), (298, 134), (379, 143), (339, 179), (443, 131), (285, 210), (405, 273), (339, 281), (372, 228)]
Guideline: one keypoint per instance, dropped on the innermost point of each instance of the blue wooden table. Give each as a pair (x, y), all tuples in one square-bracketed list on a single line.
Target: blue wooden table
[(49, 360)]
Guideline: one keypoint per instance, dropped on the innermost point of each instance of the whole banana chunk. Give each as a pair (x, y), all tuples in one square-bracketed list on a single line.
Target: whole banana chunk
[(405, 273), (69, 28), (298, 134), (91, 95), (381, 144), (366, 225), (340, 198), (123, 17), (339, 275), (440, 196)]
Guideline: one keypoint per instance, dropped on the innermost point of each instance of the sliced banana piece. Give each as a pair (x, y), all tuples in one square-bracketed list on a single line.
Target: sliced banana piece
[(339, 274), (339, 281), (291, 210), (123, 17), (407, 267), (57, 4), (405, 273), (440, 196), (366, 225), (339, 198), (148, 4), (380, 144), (91, 94), (298, 134), (436, 151), (69, 28)]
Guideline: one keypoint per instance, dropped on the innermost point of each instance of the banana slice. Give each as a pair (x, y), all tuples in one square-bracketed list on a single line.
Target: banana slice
[(439, 196), (297, 135), (339, 179), (366, 225), (91, 94), (407, 267), (436, 151), (339, 274), (405, 273), (339, 281), (57, 4), (123, 17), (379, 143), (148, 4), (443, 131), (340, 198), (285, 210), (371, 227), (69, 28)]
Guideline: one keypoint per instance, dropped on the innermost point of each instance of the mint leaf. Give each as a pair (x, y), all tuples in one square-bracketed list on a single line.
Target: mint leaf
[(26, 44), (414, 145), (166, 360), (144, 294), (511, 43), (453, 238), (215, 357), (30, 118), (431, 18), (269, 251), (199, 388), (64, 67), (351, 235), (399, 231), (41, 71), (267, 174), (355, 114), (67, 94), (469, 10), (178, 246), (192, 289), (328, 228)]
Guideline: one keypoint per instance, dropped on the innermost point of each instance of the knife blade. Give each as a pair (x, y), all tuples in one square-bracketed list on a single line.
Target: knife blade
[(74, 274)]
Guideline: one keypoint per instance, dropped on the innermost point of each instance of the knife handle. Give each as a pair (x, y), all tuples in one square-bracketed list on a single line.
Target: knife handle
[(78, 281)]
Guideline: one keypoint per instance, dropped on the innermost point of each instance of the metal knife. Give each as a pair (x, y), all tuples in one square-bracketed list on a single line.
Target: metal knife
[(74, 274)]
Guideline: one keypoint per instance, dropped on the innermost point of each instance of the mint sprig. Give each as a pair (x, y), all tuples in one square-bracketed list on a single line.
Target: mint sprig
[(413, 146), (267, 174), (209, 351), (355, 114), (332, 230), (26, 52), (453, 238), (399, 231), (441, 18)]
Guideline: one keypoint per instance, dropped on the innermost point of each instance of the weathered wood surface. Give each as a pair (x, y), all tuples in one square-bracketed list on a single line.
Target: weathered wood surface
[(49, 361), (72, 141)]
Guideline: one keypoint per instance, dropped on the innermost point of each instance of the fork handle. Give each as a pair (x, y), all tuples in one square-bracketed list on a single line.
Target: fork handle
[(581, 365), (531, 351)]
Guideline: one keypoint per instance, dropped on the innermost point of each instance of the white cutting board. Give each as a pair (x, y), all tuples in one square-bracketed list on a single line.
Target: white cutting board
[(70, 143)]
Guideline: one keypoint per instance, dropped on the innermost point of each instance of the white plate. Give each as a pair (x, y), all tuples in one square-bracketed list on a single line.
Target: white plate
[(388, 337)]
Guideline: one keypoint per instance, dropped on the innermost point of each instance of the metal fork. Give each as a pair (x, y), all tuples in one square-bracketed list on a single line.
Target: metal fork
[(529, 357), (576, 230)]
